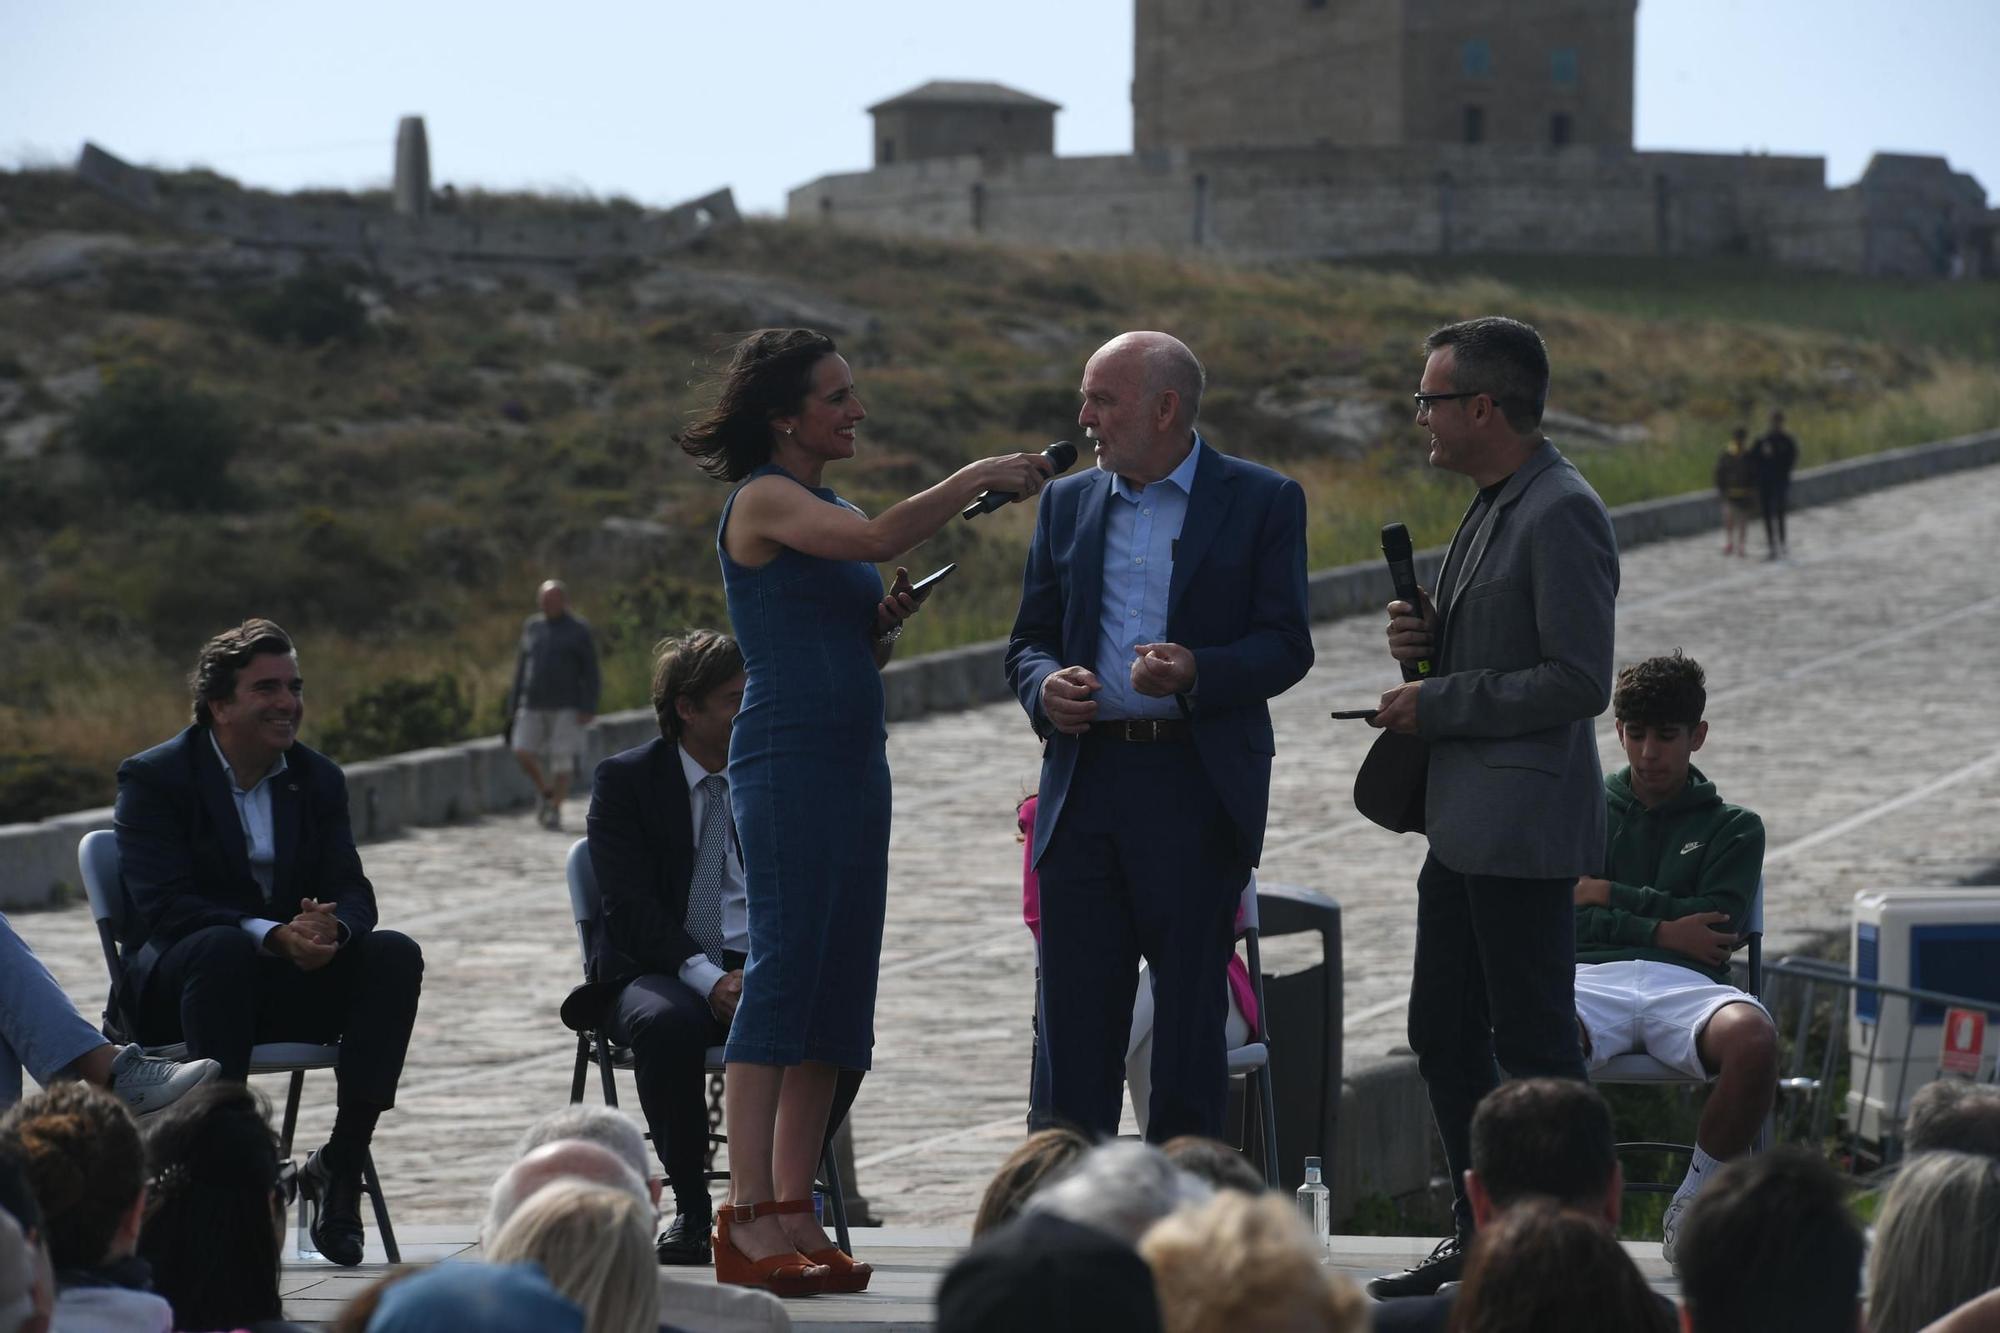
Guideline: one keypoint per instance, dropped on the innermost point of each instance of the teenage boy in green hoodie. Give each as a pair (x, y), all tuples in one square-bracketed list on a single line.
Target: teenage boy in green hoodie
[(1654, 934)]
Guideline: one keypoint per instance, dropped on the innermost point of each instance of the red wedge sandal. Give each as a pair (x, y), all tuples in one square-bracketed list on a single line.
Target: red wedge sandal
[(785, 1274)]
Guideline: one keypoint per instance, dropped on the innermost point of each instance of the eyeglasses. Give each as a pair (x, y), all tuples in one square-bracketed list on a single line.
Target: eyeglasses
[(1426, 401), (287, 1184)]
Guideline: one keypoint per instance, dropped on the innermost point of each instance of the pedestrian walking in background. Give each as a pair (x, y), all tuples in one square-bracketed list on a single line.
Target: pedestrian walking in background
[(1776, 453), (1736, 483), (553, 698)]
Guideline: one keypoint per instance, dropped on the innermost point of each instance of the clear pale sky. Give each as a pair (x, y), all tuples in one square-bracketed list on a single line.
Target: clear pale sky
[(664, 100)]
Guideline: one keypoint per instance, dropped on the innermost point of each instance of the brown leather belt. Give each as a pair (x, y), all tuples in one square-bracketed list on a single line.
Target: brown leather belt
[(1142, 730)]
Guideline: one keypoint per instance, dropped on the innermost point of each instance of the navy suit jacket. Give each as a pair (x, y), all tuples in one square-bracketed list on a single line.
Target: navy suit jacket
[(186, 866), (641, 832), (1237, 599)]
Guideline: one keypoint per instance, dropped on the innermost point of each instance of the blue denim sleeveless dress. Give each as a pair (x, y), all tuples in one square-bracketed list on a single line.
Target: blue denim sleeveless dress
[(809, 783)]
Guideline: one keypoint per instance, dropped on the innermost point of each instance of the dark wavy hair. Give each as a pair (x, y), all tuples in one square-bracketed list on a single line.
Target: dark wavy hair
[(1541, 1266), (209, 1232), (1661, 691), (690, 666), (769, 376), (214, 674)]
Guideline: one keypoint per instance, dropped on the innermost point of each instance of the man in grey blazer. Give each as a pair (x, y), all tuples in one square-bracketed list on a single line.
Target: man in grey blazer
[(1519, 635)]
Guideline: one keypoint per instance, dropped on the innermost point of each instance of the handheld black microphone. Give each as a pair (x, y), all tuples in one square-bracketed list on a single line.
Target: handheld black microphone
[(1060, 455), (1403, 573)]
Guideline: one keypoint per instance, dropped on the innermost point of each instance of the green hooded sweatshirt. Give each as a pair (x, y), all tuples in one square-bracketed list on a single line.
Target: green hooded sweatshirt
[(1692, 854)]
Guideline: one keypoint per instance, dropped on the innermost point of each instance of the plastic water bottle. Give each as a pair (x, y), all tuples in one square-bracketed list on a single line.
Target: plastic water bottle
[(1315, 1207)]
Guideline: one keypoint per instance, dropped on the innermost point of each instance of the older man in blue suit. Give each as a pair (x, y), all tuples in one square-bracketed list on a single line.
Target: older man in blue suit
[(1164, 604)]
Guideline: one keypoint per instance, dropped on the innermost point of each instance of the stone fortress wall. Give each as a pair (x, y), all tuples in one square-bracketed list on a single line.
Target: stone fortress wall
[(1342, 128), (412, 229)]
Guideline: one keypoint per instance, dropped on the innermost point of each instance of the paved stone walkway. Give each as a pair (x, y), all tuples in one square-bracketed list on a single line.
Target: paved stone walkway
[(1852, 704)]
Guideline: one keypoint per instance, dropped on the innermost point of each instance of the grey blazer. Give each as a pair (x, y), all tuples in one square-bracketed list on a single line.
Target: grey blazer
[(1523, 666)]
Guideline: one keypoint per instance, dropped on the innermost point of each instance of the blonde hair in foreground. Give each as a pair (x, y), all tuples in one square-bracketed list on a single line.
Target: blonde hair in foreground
[(1240, 1262), (596, 1245), (1937, 1240)]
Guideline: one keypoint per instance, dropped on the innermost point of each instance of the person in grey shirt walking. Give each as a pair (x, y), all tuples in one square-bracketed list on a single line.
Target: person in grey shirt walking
[(553, 698)]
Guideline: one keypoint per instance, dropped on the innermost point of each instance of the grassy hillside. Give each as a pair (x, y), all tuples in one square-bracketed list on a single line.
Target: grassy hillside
[(387, 466)]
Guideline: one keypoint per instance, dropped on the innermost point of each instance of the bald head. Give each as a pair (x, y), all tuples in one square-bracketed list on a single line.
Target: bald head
[(552, 597), (565, 1159), (1141, 395), (1165, 366)]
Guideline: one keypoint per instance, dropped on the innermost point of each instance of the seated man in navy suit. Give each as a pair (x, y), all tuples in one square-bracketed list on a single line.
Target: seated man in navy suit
[(1163, 605), (666, 960), (252, 920)]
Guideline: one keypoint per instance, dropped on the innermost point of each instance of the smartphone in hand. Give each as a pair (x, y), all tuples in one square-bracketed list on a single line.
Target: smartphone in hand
[(1353, 714), (922, 587)]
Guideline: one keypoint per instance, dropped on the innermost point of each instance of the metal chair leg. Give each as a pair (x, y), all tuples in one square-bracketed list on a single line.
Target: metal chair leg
[(607, 1070), (582, 1063), (291, 1113), (836, 1197), (372, 1183), (1267, 1106)]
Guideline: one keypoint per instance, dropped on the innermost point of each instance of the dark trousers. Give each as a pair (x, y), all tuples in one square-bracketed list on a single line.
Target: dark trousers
[(1776, 497), (1144, 862), (1495, 988), (670, 1029), (219, 991)]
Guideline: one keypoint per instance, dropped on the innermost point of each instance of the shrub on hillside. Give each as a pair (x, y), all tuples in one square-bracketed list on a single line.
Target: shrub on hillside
[(402, 713), (157, 440), (656, 605), (35, 786), (316, 306)]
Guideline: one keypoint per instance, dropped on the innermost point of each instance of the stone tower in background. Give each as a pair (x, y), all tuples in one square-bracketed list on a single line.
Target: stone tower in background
[(412, 191), (1382, 73)]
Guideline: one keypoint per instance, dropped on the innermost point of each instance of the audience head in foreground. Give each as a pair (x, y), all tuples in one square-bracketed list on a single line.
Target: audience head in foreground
[(80, 1151), (1040, 1160), (1215, 1162), (26, 1295), (476, 1298), (1548, 1137), (215, 1212), (596, 1245), (1051, 1275), (1243, 1261), (1770, 1244), (1543, 1268), (605, 1126), (1953, 1115), (1937, 1241), (1120, 1188), (562, 1159)]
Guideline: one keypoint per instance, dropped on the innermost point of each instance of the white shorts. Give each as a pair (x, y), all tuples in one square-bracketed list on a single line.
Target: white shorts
[(1658, 1008), (553, 734)]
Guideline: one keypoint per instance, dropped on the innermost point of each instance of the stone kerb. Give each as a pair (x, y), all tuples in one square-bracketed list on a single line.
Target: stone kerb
[(460, 781)]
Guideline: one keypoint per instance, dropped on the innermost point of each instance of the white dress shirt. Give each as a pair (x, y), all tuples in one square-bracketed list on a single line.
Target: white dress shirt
[(253, 811), (697, 973)]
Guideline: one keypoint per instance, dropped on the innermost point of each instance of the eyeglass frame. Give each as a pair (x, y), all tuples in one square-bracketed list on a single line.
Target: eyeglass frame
[(1426, 401)]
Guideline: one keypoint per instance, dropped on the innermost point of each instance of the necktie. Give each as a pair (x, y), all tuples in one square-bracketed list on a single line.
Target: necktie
[(704, 917)]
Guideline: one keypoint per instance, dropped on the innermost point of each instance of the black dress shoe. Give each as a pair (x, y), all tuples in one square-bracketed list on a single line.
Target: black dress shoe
[(335, 1218), (686, 1239), (1446, 1264)]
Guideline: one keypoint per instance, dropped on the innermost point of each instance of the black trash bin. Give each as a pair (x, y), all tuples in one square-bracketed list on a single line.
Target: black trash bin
[(1303, 1014)]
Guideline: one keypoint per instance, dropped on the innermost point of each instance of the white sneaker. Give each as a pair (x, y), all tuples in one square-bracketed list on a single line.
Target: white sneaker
[(150, 1083), (1670, 1226)]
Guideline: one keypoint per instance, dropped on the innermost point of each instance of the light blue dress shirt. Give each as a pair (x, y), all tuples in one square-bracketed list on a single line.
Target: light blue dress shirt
[(1141, 528), (253, 812)]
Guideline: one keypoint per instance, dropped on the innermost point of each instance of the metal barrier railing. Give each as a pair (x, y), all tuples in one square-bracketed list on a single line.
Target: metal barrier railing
[(1809, 1000)]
